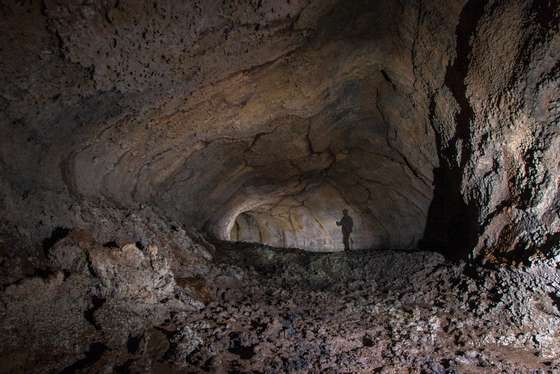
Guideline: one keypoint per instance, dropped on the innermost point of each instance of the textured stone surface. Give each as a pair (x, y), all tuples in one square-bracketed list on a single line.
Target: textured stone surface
[(279, 310), (287, 113), (130, 129), (90, 301), (230, 110), (381, 311), (497, 120)]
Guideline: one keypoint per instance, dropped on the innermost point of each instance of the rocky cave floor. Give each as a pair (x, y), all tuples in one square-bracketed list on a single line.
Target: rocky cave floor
[(254, 309), (381, 311)]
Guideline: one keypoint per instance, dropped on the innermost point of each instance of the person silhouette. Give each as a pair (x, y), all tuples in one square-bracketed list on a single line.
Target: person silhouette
[(347, 224)]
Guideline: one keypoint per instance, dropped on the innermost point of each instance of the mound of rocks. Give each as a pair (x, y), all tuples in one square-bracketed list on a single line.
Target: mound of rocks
[(90, 301), (257, 309)]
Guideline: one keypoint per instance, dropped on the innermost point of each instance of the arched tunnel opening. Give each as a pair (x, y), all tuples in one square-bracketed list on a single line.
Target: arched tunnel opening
[(173, 177), (299, 202), (352, 154), (368, 149)]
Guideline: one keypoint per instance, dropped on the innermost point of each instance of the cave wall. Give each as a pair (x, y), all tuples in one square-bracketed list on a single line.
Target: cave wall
[(433, 122), (314, 213), (497, 123)]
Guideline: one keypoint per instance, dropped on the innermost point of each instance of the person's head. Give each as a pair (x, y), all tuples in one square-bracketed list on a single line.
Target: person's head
[(345, 212)]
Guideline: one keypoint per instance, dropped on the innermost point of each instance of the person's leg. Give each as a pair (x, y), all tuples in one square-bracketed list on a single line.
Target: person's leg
[(346, 241)]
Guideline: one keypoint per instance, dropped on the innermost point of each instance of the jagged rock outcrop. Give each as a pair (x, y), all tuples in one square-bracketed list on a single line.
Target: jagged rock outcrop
[(496, 120), (90, 302)]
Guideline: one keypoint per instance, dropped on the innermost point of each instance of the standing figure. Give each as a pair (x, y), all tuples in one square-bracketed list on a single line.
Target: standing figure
[(347, 224)]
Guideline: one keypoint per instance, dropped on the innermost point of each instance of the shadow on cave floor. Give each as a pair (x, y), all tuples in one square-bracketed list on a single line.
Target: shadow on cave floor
[(230, 245), (321, 269), (332, 271)]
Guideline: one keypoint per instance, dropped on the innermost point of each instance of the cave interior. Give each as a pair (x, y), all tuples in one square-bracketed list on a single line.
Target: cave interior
[(173, 174)]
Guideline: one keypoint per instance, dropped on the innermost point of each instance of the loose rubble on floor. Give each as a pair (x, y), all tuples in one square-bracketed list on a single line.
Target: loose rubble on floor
[(247, 308)]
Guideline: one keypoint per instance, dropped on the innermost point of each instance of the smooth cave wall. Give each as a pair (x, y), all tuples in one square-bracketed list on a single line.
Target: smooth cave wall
[(434, 122)]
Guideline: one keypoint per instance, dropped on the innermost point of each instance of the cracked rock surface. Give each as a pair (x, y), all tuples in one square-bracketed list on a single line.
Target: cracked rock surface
[(83, 304)]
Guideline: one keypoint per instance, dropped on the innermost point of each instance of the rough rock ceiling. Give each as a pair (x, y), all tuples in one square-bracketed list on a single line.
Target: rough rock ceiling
[(208, 110), (287, 112)]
